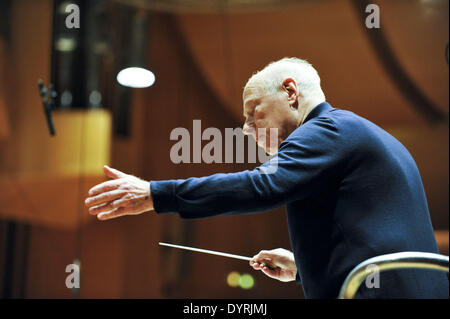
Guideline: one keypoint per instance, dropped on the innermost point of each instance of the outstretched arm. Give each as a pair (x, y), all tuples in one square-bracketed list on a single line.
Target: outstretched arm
[(306, 161)]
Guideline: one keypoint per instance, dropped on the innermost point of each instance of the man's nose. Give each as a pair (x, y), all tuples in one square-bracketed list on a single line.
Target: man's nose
[(248, 130)]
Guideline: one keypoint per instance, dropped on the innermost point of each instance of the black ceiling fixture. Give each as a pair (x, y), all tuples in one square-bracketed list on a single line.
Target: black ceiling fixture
[(5, 19), (78, 53)]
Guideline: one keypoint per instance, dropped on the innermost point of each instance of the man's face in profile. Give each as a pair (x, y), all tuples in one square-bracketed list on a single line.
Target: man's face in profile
[(263, 112)]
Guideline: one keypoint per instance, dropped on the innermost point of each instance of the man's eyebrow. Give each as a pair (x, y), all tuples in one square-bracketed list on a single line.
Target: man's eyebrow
[(252, 101)]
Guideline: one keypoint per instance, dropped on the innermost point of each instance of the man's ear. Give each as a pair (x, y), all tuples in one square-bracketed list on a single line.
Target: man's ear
[(290, 87)]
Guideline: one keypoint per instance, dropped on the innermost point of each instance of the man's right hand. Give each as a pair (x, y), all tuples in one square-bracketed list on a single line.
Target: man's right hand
[(276, 263)]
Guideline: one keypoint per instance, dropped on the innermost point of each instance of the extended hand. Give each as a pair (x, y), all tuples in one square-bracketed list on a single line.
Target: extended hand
[(276, 263), (123, 195)]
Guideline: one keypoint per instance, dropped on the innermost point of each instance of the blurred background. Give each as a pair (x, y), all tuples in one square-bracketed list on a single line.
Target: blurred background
[(201, 53)]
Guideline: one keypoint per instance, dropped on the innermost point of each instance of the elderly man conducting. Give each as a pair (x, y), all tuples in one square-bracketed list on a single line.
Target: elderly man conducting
[(351, 190)]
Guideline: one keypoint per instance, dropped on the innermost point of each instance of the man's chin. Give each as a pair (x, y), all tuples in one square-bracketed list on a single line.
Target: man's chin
[(272, 151)]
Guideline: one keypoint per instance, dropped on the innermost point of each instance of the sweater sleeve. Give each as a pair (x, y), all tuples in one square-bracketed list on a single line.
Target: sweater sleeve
[(307, 160)]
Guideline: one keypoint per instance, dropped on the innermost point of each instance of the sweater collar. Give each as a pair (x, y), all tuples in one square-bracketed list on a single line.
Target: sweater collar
[(318, 110)]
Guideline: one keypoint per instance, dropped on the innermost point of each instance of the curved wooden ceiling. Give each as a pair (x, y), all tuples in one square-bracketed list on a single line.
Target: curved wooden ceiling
[(228, 49)]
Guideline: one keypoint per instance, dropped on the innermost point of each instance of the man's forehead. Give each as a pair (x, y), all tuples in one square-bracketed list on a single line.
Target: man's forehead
[(251, 93)]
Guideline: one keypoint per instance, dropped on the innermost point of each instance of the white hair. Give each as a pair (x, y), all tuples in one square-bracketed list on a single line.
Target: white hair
[(270, 79)]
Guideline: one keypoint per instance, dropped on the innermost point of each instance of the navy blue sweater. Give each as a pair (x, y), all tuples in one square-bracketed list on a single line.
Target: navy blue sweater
[(351, 190)]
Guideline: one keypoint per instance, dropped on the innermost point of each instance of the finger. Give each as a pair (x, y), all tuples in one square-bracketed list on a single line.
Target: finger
[(266, 258), (104, 187), (256, 266), (258, 255), (273, 273), (107, 207), (113, 214), (262, 256), (96, 209), (104, 197), (113, 173), (262, 262)]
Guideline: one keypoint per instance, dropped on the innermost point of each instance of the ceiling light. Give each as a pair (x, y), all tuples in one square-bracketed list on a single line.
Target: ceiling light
[(136, 77)]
